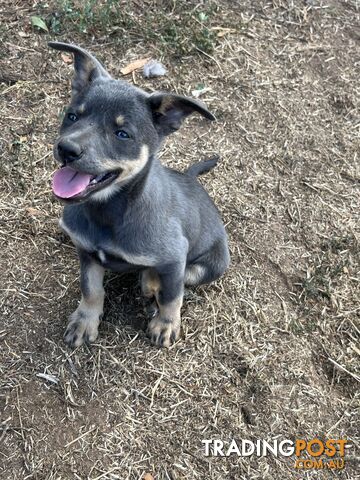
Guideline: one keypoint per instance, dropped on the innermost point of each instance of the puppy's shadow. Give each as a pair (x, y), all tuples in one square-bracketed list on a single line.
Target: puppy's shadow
[(124, 304)]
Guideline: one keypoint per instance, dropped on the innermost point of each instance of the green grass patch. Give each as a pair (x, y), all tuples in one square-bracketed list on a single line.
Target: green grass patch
[(174, 27)]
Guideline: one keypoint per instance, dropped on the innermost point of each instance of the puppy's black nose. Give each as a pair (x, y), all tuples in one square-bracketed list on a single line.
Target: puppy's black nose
[(69, 151)]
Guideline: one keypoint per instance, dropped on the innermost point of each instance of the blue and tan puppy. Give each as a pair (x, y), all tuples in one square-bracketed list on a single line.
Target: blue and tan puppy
[(124, 210)]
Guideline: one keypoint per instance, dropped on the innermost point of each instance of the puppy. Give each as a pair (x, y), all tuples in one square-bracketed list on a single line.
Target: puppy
[(124, 210)]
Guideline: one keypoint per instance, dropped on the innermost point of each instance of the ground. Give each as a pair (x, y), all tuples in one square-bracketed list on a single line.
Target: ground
[(271, 350)]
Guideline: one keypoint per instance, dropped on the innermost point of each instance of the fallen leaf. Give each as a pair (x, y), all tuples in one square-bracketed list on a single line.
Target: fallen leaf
[(148, 476), (34, 212), (222, 31), (131, 67), (23, 35), (39, 23), (66, 58)]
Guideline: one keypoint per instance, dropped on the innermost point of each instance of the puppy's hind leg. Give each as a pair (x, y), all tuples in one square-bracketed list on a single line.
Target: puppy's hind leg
[(150, 282), (150, 286), (209, 266), (84, 322)]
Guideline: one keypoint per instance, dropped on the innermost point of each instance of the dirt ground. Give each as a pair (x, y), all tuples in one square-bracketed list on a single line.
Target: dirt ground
[(269, 351)]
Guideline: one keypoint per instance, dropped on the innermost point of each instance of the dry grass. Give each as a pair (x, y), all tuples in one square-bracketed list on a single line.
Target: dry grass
[(270, 350)]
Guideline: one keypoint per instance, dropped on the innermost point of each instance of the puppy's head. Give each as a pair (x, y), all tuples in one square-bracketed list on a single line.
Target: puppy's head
[(110, 130)]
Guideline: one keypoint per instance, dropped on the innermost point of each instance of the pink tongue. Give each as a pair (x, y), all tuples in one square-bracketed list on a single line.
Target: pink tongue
[(68, 182)]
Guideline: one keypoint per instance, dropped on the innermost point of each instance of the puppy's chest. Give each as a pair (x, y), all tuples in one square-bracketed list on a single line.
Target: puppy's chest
[(95, 240), (101, 243)]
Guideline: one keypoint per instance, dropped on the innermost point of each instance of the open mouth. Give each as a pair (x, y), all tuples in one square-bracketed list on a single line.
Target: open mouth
[(69, 184)]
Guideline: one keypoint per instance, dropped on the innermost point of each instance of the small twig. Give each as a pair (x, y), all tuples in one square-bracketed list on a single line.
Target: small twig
[(212, 58), (78, 438), (343, 369)]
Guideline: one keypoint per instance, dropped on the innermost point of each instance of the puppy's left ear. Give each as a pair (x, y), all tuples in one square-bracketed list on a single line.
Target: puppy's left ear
[(169, 111), (87, 67)]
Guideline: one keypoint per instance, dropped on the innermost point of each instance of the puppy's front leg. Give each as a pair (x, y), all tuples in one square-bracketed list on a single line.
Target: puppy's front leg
[(84, 322), (164, 328)]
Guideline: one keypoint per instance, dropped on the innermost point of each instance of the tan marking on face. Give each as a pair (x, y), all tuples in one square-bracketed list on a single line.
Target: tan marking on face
[(150, 282), (105, 193), (81, 109), (120, 120), (129, 167)]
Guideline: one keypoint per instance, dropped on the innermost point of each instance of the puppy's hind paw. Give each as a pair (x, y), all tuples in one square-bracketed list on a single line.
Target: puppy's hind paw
[(82, 328), (152, 310), (163, 332)]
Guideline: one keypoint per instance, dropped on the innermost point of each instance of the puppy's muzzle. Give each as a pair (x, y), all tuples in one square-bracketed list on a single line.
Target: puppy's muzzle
[(69, 151)]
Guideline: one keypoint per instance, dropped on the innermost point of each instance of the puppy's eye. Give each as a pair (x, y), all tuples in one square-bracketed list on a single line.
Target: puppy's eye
[(72, 117), (122, 134)]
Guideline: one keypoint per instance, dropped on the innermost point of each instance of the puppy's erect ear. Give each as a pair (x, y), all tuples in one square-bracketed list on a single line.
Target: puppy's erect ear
[(87, 68), (170, 110)]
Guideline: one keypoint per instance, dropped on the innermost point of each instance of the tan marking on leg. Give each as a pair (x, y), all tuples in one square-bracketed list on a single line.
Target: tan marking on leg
[(164, 329), (172, 310), (95, 298), (84, 322), (194, 274), (120, 120), (150, 282)]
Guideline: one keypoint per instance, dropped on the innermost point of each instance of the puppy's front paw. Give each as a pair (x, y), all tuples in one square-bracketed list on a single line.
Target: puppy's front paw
[(163, 332), (82, 327)]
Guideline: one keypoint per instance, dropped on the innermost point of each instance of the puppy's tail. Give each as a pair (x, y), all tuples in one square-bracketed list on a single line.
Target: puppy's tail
[(202, 167)]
